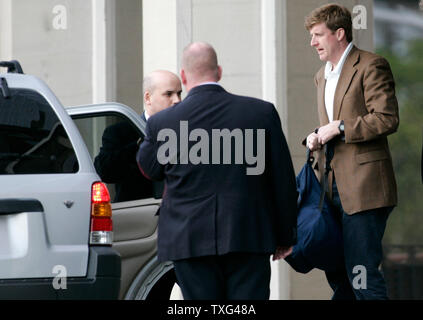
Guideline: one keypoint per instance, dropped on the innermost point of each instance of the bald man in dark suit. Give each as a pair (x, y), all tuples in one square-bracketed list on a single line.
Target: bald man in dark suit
[(220, 221), (116, 161)]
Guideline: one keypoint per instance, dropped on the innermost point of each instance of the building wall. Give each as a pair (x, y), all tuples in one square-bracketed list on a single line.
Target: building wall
[(233, 28), (61, 57), (296, 86), (129, 53), (97, 57)]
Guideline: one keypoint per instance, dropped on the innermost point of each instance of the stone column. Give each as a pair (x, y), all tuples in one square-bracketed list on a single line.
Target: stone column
[(167, 29)]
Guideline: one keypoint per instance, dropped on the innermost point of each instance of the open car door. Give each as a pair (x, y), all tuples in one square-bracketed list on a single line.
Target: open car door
[(111, 132)]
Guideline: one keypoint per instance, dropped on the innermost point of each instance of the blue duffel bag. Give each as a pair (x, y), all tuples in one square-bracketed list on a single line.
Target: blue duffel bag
[(319, 235)]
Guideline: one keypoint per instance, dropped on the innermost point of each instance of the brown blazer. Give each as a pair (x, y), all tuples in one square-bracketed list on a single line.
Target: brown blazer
[(365, 100)]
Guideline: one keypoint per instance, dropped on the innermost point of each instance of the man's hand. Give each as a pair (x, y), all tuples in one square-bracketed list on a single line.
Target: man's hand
[(282, 253), (328, 132), (313, 142)]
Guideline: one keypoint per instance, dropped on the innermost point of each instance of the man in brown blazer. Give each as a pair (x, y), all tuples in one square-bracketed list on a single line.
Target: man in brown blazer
[(357, 111)]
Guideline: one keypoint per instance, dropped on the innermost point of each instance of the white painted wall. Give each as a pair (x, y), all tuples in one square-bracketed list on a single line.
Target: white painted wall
[(60, 57)]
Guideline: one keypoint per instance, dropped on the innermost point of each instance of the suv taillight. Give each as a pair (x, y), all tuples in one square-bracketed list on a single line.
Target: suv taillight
[(101, 232)]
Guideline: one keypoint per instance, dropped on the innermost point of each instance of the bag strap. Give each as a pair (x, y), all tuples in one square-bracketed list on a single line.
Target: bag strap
[(329, 152), (310, 158)]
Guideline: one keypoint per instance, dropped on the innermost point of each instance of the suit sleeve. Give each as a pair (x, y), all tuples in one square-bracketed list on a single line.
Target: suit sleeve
[(284, 189), (115, 162), (379, 96), (147, 155)]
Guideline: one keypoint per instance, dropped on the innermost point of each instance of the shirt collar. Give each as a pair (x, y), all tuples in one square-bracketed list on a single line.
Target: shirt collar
[(209, 82), (146, 115), (338, 68)]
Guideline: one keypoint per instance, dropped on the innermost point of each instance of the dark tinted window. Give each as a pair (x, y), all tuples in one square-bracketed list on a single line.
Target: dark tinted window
[(112, 141), (32, 139)]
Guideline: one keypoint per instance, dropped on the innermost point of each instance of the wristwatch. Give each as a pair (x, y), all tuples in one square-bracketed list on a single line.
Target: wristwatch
[(341, 127)]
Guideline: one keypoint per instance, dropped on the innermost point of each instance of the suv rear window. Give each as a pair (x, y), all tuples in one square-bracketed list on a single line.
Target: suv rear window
[(32, 138)]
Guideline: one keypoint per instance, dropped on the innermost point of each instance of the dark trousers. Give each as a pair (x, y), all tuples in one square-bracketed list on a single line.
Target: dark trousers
[(233, 276), (361, 278)]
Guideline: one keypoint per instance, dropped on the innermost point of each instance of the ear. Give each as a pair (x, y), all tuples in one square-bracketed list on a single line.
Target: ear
[(147, 98), (183, 77), (340, 34), (219, 73)]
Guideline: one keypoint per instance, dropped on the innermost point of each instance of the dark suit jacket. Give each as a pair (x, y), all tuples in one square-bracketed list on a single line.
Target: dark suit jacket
[(212, 209), (365, 100), (116, 163)]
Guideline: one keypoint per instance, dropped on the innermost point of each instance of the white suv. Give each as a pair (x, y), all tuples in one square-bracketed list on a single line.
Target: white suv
[(58, 237)]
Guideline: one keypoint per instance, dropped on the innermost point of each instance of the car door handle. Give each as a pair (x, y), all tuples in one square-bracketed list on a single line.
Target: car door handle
[(14, 206)]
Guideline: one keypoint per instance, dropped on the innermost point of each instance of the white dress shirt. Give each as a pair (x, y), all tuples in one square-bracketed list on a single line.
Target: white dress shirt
[(332, 77), (208, 82), (146, 115)]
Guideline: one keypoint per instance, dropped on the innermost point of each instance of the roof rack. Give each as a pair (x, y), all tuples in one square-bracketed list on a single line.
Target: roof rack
[(12, 66)]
